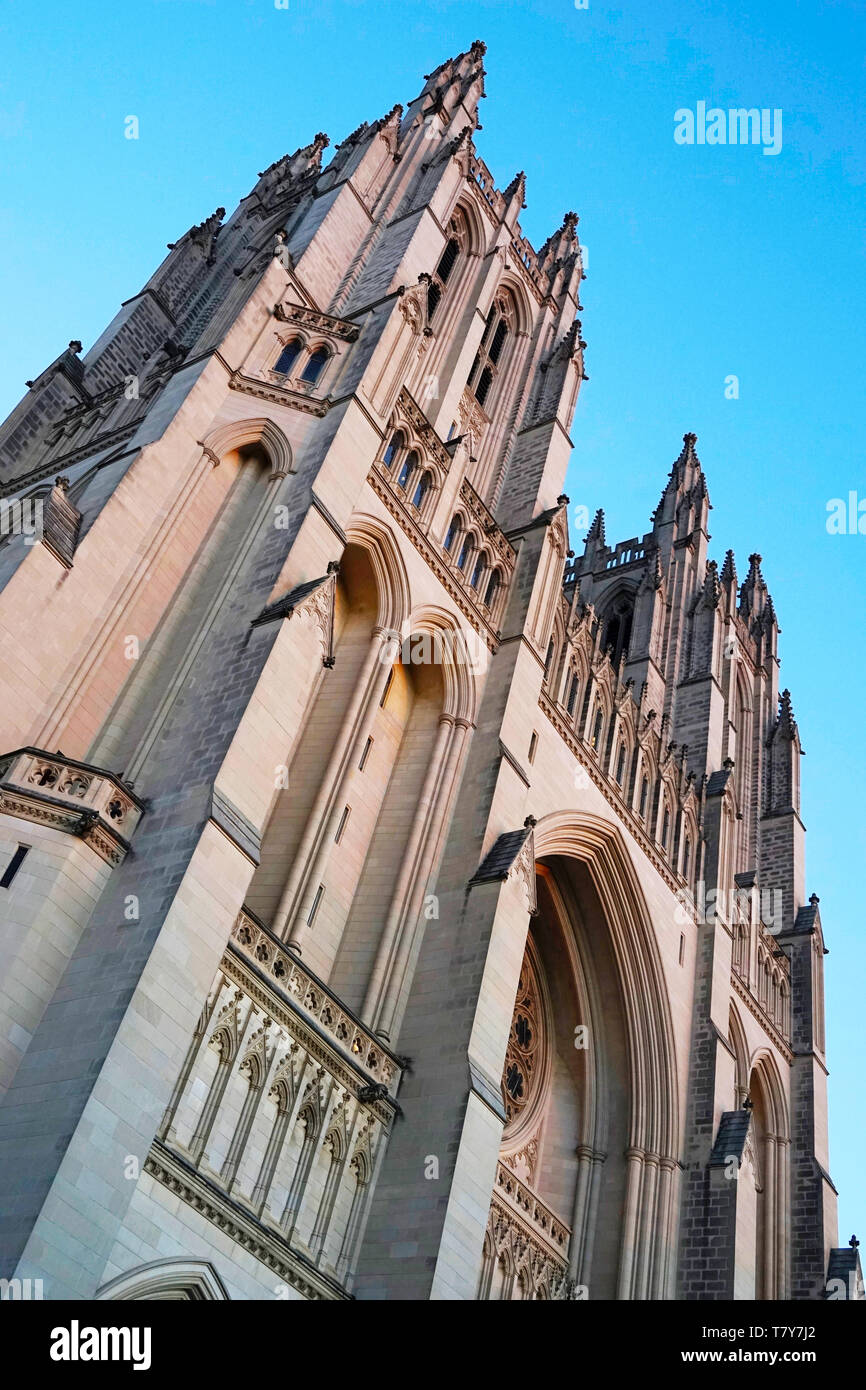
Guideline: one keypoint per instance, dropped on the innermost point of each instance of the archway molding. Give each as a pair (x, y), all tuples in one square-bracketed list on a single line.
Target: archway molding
[(194, 1280), (239, 433)]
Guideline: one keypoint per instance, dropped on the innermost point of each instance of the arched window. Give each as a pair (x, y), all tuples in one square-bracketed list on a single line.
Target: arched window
[(644, 797), (396, 444), (453, 532), (617, 629), (410, 463), (315, 366), (597, 728), (493, 585), (500, 321), (573, 687), (423, 487), (687, 857), (551, 647), (288, 357), (466, 550), (447, 262), (620, 764), (666, 827), (478, 569)]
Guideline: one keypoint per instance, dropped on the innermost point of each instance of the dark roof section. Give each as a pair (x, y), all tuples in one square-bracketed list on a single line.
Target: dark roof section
[(502, 855), (499, 859), (844, 1263), (806, 919), (284, 607), (731, 1138), (717, 781)]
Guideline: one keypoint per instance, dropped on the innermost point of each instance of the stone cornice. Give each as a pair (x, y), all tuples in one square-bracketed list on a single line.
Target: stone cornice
[(70, 796), (623, 812), (316, 321), (279, 395), (425, 548), (408, 407), (763, 1018)]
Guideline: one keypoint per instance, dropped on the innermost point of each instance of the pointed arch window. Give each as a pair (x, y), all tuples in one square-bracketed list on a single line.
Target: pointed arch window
[(620, 765), (447, 262), (597, 728), (410, 463), (548, 660), (573, 687), (453, 532), (478, 569), (644, 798), (315, 366), (466, 550), (395, 444), (666, 827), (425, 482), (288, 357), (488, 359), (493, 586), (617, 629)]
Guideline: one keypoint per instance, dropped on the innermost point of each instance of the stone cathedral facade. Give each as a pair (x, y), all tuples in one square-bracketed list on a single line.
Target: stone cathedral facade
[(394, 904)]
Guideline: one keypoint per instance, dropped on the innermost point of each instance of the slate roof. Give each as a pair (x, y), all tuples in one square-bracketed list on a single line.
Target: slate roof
[(805, 920), (285, 606), (844, 1262), (717, 781), (731, 1138), (497, 862)]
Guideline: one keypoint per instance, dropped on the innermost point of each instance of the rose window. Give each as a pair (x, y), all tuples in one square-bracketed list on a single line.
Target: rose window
[(521, 1075)]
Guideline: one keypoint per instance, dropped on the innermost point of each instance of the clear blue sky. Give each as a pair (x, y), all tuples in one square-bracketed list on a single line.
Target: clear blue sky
[(704, 261)]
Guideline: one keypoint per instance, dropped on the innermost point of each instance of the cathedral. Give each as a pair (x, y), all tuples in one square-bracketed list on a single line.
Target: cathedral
[(395, 903)]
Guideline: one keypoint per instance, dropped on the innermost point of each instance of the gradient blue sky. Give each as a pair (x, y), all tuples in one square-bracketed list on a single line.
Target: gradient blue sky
[(703, 262)]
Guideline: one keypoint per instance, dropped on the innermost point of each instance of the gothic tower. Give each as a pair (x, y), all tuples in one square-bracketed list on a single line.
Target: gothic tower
[(393, 905)]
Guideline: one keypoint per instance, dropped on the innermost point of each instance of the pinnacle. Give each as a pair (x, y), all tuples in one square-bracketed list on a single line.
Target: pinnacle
[(596, 530), (474, 53), (712, 588), (518, 182), (729, 569), (787, 725), (687, 453)]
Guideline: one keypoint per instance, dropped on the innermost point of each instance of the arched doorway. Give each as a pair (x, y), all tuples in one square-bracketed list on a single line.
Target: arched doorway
[(588, 1164)]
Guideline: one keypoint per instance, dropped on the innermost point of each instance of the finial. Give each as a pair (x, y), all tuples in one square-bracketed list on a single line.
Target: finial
[(75, 345), (853, 1242), (530, 823), (729, 569), (747, 1103), (814, 900)]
